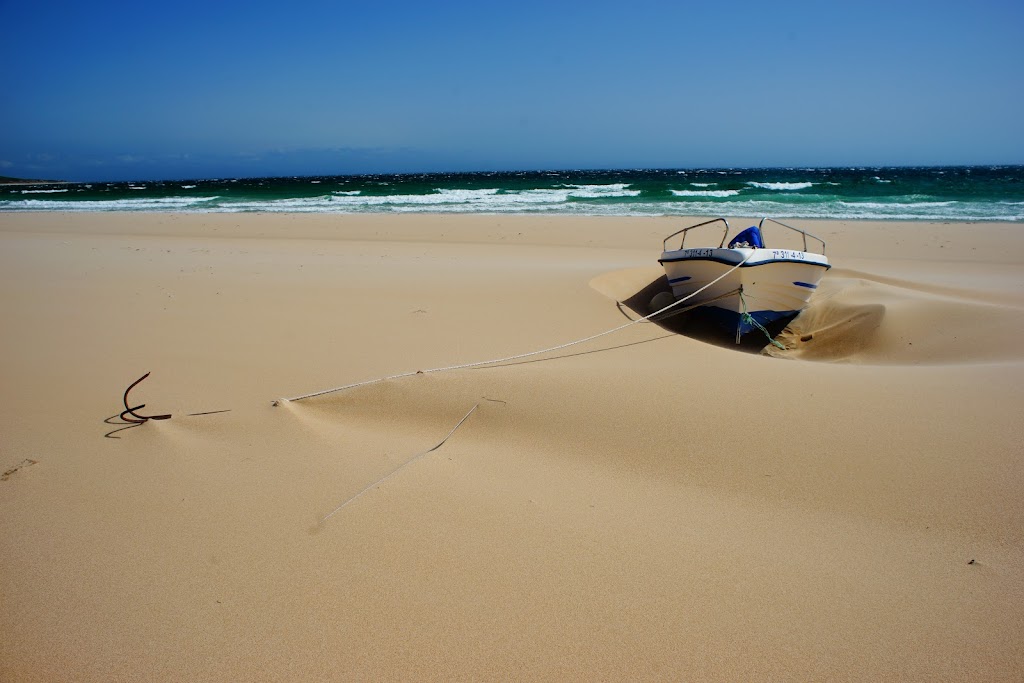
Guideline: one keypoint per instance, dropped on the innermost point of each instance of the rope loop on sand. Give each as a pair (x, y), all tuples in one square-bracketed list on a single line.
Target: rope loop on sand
[(477, 364)]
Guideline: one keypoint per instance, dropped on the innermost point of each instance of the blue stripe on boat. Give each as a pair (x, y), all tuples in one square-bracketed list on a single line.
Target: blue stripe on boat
[(679, 279), (742, 265), (808, 285)]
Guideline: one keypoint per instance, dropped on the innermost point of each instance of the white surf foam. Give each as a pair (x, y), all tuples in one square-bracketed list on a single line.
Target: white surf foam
[(781, 186), (895, 206), (145, 204), (598, 191), (705, 193)]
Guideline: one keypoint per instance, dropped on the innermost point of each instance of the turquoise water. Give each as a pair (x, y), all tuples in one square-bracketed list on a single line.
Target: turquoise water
[(955, 193)]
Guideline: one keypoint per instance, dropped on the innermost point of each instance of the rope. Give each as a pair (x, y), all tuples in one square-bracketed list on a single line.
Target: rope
[(654, 317), (477, 364), (749, 319), (402, 466)]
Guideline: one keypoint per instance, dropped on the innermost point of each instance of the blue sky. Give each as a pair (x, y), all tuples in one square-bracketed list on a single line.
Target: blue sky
[(138, 90)]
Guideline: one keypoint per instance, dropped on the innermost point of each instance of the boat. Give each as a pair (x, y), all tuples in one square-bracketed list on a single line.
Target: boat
[(746, 284)]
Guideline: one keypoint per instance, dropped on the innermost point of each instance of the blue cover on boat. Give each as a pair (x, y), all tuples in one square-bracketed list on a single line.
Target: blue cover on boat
[(751, 237)]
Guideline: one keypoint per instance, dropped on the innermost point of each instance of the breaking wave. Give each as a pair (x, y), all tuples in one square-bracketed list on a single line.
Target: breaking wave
[(141, 204), (705, 193), (781, 186)]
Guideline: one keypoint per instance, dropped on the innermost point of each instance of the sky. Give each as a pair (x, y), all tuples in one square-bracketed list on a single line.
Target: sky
[(143, 91)]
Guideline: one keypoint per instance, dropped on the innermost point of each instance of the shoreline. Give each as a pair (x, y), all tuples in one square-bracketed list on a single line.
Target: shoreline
[(905, 241)]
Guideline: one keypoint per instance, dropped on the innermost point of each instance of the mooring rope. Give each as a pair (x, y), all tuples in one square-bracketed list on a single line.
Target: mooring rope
[(400, 467), (749, 319), (519, 356)]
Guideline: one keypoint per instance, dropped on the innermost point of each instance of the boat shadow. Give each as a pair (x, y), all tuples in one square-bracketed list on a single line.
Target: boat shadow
[(698, 323)]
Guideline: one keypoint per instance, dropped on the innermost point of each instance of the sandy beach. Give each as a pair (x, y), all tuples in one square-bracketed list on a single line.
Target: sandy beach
[(647, 506)]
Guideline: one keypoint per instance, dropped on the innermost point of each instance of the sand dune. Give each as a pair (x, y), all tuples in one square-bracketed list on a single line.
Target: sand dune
[(858, 317), (654, 504)]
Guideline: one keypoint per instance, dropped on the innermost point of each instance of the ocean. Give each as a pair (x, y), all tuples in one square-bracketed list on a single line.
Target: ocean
[(955, 193)]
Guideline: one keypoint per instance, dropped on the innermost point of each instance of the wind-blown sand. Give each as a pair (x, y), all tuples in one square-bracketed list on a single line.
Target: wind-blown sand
[(646, 506)]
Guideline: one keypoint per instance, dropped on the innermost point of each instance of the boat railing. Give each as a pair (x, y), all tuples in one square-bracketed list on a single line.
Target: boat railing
[(804, 233), (683, 232)]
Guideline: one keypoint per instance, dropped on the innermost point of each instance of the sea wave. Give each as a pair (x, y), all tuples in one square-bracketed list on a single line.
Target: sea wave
[(599, 191), (141, 204), (780, 186), (445, 199), (439, 196), (548, 201), (536, 196), (289, 205), (705, 193), (489, 200), (43, 191), (837, 193), (896, 205)]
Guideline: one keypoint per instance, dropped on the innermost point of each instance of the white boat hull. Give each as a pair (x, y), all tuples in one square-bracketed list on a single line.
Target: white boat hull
[(770, 285)]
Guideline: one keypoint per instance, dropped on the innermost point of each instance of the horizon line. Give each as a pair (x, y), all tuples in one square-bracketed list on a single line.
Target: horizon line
[(10, 180)]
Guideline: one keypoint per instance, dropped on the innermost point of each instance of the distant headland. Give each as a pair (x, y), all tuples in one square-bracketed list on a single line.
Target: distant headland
[(6, 180)]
